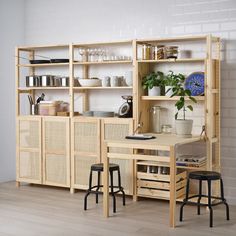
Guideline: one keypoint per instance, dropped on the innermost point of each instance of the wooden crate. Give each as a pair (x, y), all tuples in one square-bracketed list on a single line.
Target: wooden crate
[(158, 186)]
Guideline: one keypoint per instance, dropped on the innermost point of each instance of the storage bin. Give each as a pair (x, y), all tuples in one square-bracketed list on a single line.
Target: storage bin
[(49, 108), (158, 185)]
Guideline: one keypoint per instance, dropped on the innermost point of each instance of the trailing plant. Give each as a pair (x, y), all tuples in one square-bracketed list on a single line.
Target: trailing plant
[(153, 79)]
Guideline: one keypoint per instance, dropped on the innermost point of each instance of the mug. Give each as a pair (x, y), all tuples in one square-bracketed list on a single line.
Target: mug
[(106, 82), (115, 81)]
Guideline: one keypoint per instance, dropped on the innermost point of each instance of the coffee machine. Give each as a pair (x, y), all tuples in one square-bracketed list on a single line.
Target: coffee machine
[(126, 109)]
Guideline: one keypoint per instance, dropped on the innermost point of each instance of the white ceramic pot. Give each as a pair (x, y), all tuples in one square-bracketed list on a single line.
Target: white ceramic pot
[(170, 92), (183, 128), (155, 91)]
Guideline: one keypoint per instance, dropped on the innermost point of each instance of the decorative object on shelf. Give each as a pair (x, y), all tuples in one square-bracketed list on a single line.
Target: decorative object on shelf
[(106, 81), (126, 109), (195, 83), (183, 126), (171, 52), (155, 119), (115, 81), (93, 82), (146, 52), (158, 52), (153, 82), (184, 54), (49, 108), (166, 129), (172, 81), (129, 78)]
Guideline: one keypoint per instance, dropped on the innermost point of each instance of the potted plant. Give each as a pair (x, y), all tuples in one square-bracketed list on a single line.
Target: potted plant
[(183, 126), (171, 81), (152, 82)]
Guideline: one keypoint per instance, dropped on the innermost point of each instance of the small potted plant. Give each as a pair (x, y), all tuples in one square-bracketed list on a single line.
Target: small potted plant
[(183, 126), (171, 81), (152, 82)]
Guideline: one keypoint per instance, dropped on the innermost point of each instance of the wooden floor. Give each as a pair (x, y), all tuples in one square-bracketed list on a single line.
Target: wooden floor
[(33, 210)]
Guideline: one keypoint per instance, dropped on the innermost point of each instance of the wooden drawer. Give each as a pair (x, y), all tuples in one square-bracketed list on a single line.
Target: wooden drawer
[(158, 186)]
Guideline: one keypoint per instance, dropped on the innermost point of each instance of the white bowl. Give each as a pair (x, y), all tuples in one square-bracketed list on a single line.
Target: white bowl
[(90, 82)]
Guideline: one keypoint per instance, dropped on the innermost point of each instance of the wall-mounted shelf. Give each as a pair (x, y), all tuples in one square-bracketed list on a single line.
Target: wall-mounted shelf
[(173, 60), (100, 88), (102, 62), (43, 65), (166, 98)]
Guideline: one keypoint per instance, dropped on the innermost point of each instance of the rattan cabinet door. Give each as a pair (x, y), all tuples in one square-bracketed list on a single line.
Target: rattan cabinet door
[(56, 151), (85, 150), (115, 129), (28, 151)]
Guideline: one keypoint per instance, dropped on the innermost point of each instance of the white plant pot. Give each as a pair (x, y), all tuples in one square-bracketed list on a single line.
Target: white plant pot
[(170, 92), (155, 91), (183, 128)]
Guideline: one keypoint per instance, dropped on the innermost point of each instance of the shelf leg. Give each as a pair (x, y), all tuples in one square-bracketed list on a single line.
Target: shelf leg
[(17, 184), (72, 190)]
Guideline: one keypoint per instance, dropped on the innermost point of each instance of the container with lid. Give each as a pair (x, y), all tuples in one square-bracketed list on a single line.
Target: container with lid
[(155, 119)]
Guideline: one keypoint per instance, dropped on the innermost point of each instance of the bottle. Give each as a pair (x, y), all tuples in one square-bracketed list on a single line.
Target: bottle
[(155, 119)]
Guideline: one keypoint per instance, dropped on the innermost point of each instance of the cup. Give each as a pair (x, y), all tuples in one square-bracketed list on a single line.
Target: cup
[(129, 77), (115, 81), (106, 82), (34, 109)]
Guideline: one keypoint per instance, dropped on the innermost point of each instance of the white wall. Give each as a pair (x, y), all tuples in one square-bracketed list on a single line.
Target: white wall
[(63, 21), (12, 34)]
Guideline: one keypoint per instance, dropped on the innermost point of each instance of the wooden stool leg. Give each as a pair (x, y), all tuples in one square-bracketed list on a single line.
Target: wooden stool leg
[(209, 203), (199, 198)]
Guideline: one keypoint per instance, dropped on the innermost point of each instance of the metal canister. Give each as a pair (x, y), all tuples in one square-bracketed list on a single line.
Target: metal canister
[(155, 119), (31, 81)]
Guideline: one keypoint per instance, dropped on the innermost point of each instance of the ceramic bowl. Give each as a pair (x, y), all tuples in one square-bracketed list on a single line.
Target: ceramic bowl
[(90, 82)]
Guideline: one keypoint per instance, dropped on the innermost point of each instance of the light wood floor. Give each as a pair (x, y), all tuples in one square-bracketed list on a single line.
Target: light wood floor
[(44, 211)]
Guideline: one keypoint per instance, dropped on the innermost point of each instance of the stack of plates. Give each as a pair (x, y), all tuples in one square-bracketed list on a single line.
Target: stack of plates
[(99, 113)]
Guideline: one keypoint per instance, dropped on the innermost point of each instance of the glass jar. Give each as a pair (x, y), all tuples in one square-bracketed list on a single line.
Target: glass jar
[(155, 119), (146, 51), (171, 52), (166, 129)]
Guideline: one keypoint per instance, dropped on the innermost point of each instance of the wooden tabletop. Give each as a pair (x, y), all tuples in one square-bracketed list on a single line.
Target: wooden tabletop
[(161, 140)]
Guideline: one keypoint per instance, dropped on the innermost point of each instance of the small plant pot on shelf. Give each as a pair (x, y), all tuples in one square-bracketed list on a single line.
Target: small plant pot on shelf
[(168, 91), (155, 91), (184, 128)]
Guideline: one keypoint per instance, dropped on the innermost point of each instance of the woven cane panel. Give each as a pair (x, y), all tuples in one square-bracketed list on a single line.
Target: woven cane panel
[(29, 133), (56, 169), (82, 170), (29, 164), (86, 137), (55, 135), (115, 132)]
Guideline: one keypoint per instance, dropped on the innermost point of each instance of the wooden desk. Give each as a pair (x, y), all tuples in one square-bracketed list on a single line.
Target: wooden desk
[(162, 142)]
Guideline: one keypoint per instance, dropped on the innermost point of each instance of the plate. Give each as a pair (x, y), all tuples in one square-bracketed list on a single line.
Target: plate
[(195, 83)]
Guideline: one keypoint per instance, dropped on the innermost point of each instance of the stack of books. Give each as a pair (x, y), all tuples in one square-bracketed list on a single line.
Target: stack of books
[(191, 160)]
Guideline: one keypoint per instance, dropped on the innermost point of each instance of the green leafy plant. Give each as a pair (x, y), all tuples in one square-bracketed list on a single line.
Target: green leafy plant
[(179, 90), (153, 79), (173, 80)]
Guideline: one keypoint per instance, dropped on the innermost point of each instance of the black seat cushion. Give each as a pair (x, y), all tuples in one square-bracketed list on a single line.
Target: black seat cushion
[(99, 167), (204, 175)]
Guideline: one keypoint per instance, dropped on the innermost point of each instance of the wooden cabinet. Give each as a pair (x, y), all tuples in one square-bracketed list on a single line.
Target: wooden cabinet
[(56, 151), (115, 129), (29, 164), (85, 136), (43, 150)]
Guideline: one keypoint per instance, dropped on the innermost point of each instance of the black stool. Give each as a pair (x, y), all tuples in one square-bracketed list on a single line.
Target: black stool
[(205, 176), (99, 168)]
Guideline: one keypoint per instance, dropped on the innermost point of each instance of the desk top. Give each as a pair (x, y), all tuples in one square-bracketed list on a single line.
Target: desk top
[(163, 141)]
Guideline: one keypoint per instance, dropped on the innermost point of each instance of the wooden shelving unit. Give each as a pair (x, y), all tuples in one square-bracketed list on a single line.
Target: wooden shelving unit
[(77, 141)]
